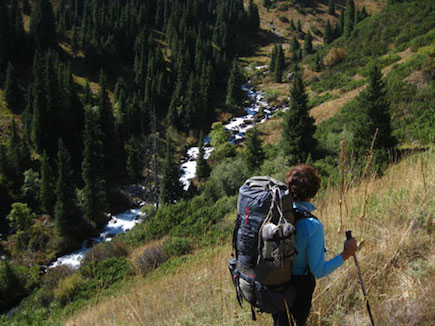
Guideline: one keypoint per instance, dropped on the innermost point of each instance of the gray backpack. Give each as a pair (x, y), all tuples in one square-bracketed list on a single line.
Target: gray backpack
[(263, 241)]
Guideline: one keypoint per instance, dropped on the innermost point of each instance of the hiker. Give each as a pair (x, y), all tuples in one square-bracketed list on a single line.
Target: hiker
[(309, 262), (278, 246)]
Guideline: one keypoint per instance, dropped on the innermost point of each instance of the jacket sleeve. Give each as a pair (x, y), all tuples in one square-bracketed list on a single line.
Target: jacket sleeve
[(316, 253)]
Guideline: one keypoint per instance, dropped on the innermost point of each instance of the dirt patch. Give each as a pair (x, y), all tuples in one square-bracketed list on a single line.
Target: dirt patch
[(270, 131), (417, 78), (327, 109), (404, 55)]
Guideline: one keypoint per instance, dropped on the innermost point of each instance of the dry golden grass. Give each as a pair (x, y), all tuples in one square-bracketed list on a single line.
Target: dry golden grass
[(397, 263), (327, 109)]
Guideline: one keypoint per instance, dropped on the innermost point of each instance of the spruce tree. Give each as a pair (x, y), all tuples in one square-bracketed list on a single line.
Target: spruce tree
[(5, 35), (349, 18), (47, 195), (26, 7), (254, 154), (308, 43), (331, 7), (94, 191), (299, 26), (294, 44), (202, 167), (42, 25), (171, 189), (66, 212), (107, 128), (234, 88), (12, 93), (253, 16), (135, 159), (373, 113), (317, 63), (327, 33), (298, 128), (279, 64), (273, 58)]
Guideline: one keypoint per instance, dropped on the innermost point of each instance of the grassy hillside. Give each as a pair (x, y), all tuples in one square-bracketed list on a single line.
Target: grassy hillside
[(397, 262)]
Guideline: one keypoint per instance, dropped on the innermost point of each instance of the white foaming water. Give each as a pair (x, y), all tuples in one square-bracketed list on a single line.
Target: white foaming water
[(236, 128), (119, 223)]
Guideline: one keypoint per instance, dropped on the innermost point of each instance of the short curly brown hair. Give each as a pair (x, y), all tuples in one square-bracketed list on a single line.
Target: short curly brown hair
[(303, 182)]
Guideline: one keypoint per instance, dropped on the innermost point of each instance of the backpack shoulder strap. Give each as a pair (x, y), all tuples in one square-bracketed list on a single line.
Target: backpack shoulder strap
[(299, 214)]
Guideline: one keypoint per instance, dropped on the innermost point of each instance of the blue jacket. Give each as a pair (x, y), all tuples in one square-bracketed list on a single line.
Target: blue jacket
[(310, 246)]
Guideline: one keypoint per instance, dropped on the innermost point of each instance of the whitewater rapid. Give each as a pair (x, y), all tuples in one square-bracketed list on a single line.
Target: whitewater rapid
[(236, 129)]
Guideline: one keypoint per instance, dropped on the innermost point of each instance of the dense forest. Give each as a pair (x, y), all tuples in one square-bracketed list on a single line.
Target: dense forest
[(97, 94)]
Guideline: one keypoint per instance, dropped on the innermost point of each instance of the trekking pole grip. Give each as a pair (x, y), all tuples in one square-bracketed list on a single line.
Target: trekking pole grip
[(348, 235)]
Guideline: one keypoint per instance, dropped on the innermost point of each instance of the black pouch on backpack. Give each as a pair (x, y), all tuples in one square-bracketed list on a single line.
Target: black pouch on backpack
[(268, 299)]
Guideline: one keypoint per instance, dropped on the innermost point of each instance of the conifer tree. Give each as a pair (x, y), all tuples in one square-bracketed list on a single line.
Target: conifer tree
[(26, 7), (253, 16), (42, 25), (234, 88), (12, 93), (308, 43), (299, 26), (135, 159), (279, 64), (267, 4), (171, 188), (294, 44), (373, 107), (47, 195), (94, 191), (202, 167), (254, 154), (65, 210), (107, 127), (5, 35), (317, 63), (298, 127), (14, 153), (327, 33), (273, 58), (349, 18), (331, 7), (17, 27)]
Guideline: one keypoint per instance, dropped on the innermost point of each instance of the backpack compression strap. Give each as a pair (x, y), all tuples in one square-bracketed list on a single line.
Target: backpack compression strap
[(236, 229)]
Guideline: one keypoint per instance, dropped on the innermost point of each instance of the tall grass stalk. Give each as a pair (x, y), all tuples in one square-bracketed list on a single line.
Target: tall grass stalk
[(342, 165), (365, 175)]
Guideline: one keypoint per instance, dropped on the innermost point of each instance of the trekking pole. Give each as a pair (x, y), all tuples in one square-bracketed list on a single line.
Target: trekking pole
[(348, 237)]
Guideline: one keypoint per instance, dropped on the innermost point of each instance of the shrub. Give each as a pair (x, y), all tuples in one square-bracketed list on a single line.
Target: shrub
[(334, 56), (68, 288), (283, 7), (229, 176), (106, 272), (135, 237), (151, 258), (107, 250), (177, 246), (271, 95), (283, 19), (11, 291)]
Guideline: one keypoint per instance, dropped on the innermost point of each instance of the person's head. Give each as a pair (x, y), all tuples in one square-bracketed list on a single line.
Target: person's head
[(303, 182)]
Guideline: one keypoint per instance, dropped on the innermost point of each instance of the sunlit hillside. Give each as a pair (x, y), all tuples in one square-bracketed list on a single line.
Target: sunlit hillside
[(397, 261)]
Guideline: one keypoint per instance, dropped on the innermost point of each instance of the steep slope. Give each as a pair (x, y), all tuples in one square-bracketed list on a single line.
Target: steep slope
[(397, 263)]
